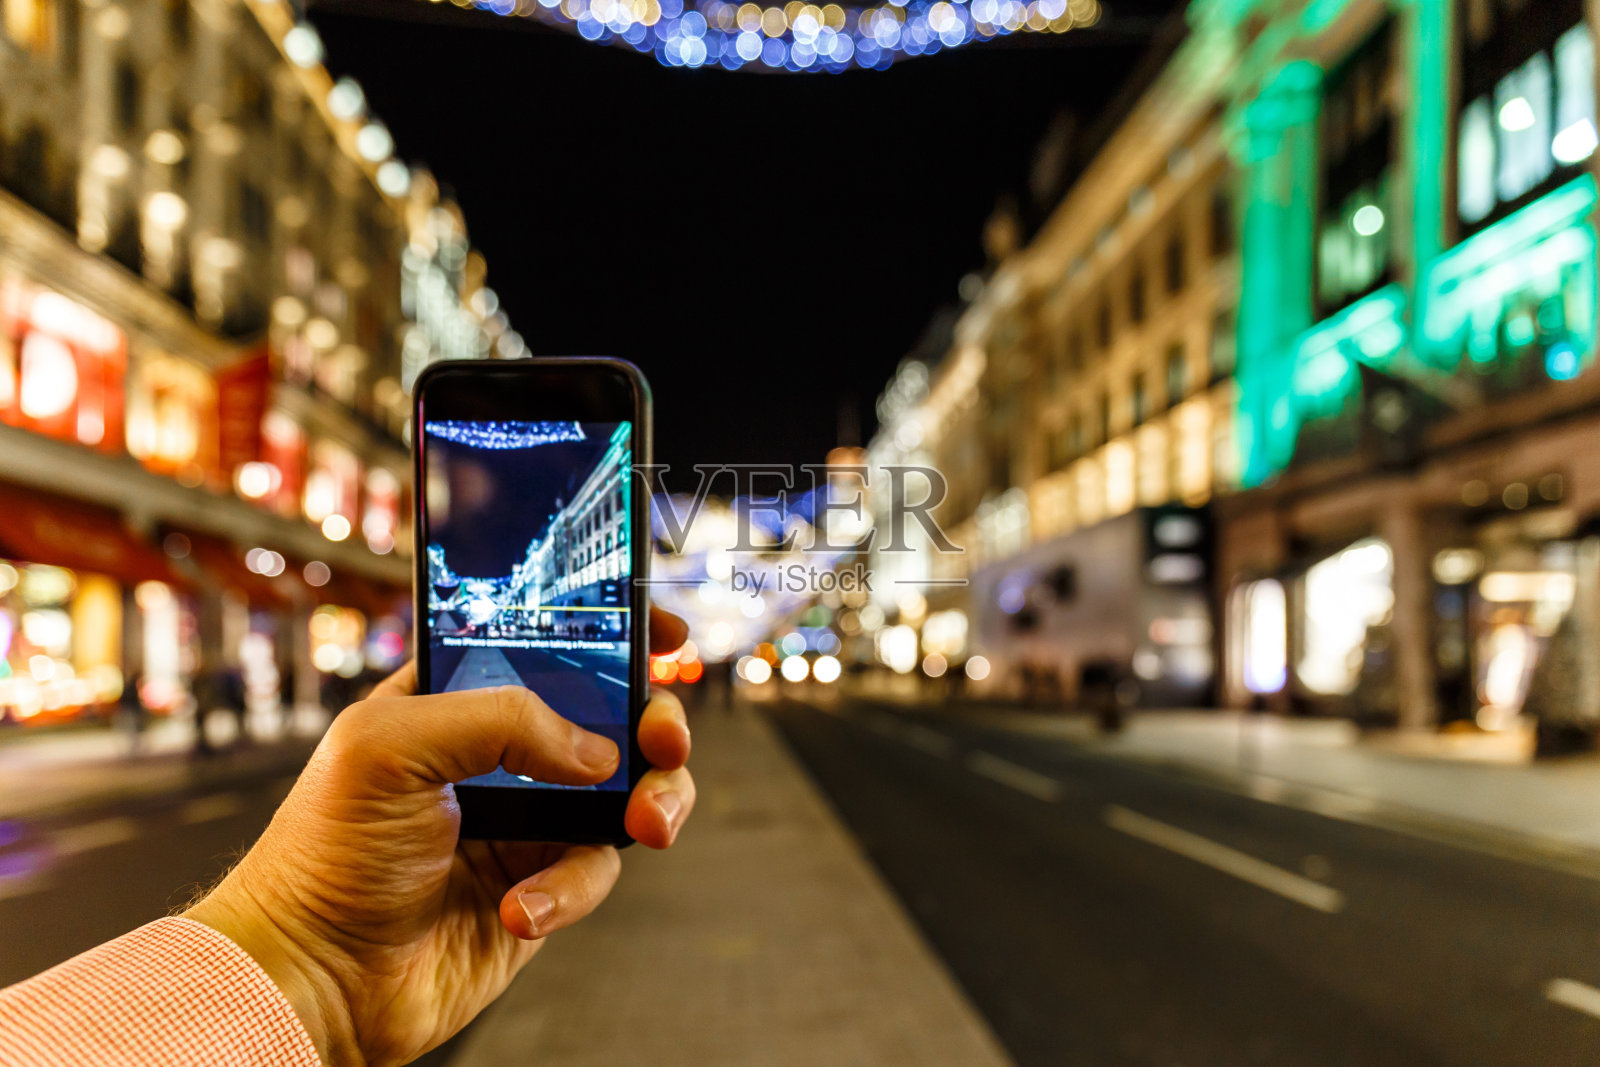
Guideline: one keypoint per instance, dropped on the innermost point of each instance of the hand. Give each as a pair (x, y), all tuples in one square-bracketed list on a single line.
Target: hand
[(386, 932)]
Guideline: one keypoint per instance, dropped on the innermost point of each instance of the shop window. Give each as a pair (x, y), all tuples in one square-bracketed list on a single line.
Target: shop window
[(171, 405), (1347, 596), (1527, 121), (64, 368), (1355, 216)]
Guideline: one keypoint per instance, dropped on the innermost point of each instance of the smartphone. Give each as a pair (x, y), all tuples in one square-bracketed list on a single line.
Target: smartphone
[(531, 555)]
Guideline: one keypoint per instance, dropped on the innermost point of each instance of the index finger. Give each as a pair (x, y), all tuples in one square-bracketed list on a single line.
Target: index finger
[(668, 632)]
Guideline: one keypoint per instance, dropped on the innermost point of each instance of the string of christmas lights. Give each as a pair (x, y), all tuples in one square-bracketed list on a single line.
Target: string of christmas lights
[(798, 37), (506, 435)]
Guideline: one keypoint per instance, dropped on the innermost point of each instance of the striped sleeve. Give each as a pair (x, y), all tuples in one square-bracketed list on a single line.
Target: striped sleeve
[(174, 993)]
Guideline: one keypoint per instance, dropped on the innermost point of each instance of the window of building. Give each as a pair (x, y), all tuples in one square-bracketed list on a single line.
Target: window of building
[(31, 24), (1177, 374), (1224, 345), (178, 23), (1103, 424), (1222, 236), (1355, 223), (1527, 121), (1061, 449), (1074, 349), (1102, 324), (1175, 263), (128, 97), (254, 214), (1139, 400), (1136, 296)]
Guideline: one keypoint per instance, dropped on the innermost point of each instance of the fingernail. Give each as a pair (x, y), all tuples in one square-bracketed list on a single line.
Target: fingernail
[(670, 804), (538, 907), (593, 750)]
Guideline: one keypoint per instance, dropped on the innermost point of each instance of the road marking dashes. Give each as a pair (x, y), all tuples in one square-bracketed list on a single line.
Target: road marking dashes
[(1570, 993), (1036, 785), (76, 840), (613, 681), (931, 742), (23, 885), (211, 808), (1227, 860)]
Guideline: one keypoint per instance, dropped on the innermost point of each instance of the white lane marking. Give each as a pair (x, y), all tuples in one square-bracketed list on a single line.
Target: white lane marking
[(1225, 859), (209, 809), (931, 742), (23, 885), (1040, 786), (1570, 993), (613, 681), (76, 840), (564, 659)]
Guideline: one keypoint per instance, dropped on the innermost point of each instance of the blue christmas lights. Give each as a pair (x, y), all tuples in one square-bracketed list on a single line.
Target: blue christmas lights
[(505, 435), (797, 37)]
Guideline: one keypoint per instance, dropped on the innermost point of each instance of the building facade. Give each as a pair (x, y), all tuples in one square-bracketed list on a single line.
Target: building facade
[(1334, 280), (216, 285)]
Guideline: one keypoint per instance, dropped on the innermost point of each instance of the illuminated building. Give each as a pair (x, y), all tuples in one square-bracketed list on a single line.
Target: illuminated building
[(584, 559), (1090, 377), (1415, 344), (211, 307), (1390, 382)]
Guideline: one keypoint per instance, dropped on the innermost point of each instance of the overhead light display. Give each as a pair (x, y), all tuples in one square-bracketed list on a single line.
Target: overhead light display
[(796, 37), (506, 435)]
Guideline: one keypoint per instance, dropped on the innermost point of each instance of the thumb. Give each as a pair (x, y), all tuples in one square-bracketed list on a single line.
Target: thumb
[(401, 742)]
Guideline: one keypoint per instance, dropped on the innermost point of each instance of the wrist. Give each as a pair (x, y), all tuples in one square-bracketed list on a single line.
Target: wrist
[(310, 988)]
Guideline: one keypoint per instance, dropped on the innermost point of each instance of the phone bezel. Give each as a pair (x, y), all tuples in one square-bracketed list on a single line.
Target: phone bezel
[(586, 389)]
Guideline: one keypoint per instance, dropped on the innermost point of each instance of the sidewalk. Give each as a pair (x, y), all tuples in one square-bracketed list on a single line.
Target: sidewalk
[(46, 771), (1484, 781), (763, 938)]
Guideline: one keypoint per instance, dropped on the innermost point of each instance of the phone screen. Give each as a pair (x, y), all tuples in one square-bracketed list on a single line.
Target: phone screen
[(526, 527)]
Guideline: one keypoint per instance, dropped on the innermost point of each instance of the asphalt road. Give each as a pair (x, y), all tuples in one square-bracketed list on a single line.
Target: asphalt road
[(78, 877), (1098, 913)]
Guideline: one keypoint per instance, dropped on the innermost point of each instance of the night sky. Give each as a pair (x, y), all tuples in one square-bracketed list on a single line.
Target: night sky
[(502, 499), (767, 247)]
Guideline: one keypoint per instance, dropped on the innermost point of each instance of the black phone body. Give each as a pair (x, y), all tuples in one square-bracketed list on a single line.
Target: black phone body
[(532, 551)]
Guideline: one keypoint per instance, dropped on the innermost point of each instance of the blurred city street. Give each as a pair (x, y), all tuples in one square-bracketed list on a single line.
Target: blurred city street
[(1098, 910), (1125, 467)]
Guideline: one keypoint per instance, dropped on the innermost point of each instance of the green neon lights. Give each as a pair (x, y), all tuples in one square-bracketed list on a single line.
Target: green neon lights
[(1275, 304), (1370, 331), (1429, 34), (1547, 249)]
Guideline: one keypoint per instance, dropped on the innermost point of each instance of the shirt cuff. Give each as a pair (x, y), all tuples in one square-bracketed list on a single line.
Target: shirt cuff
[(175, 992)]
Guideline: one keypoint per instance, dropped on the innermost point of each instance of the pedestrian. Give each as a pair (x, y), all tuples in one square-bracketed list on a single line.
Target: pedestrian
[(132, 715), (358, 928), (203, 695)]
